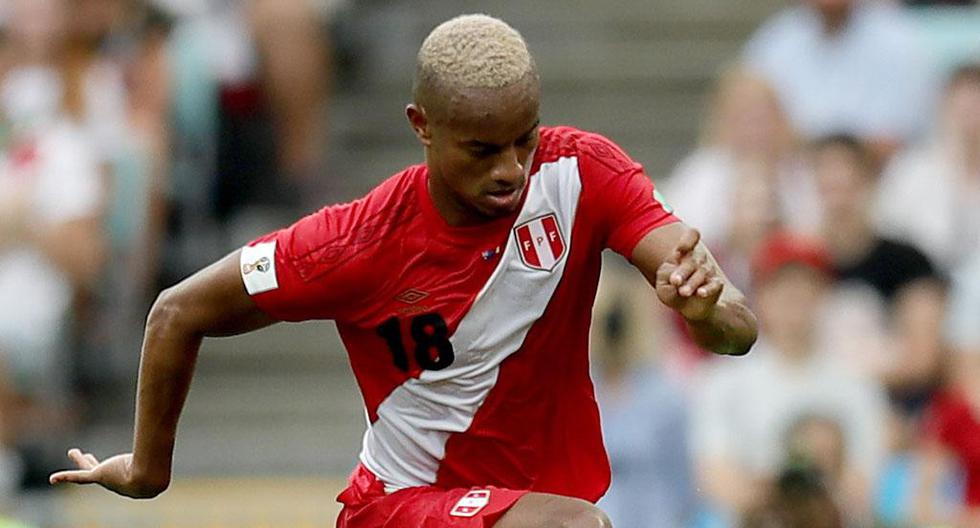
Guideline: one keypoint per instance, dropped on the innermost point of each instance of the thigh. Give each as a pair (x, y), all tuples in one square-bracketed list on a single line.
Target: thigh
[(544, 510), (430, 507)]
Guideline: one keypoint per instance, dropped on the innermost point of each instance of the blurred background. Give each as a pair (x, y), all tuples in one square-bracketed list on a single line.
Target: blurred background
[(829, 150)]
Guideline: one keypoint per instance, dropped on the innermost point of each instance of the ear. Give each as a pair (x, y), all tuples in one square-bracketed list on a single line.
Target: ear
[(419, 123)]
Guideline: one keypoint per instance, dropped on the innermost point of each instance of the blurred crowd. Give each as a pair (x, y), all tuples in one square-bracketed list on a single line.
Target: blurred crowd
[(137, 138), (837, 181)]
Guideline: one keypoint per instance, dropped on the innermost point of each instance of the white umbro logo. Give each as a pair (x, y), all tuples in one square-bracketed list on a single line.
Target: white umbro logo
[(471, 503)]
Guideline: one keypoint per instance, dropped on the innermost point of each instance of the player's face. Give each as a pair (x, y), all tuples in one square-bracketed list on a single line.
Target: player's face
[(479, 150)]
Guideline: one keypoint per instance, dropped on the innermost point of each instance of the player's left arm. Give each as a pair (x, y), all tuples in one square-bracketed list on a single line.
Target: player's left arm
[(687, 278)]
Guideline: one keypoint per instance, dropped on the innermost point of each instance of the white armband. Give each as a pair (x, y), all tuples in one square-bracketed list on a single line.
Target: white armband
[(258, 267)]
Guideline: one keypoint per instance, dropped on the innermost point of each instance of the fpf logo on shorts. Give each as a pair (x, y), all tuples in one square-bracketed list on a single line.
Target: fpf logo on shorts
[(540, 242), (471, 503)]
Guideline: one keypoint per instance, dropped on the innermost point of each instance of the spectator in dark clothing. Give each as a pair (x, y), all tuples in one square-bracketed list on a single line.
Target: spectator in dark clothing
[(799, 499), (952, 425), (892, 281)]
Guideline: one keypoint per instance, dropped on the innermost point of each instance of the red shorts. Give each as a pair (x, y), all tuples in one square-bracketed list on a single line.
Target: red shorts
[(367, 506)]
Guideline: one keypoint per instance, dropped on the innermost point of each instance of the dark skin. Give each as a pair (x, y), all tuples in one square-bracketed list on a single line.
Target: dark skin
[(478, 144)]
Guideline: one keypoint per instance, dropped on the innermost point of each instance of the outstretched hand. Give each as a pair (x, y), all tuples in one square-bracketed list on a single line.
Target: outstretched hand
[(114, 474), (688, 281)]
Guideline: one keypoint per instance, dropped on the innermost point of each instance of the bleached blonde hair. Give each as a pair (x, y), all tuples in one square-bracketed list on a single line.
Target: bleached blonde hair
[(472, 51)]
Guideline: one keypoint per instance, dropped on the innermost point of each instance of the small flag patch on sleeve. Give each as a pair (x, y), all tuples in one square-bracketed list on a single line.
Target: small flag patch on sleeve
[(659, 198), (258, 267)]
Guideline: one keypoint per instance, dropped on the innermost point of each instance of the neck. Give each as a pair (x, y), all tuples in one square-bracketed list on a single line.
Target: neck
[(765, 160), (963, 150), (970, 154), (794, 350), (848, 238), (449, 207), (835, 21)]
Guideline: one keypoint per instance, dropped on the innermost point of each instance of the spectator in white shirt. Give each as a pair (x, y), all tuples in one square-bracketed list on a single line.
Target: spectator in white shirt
[(51, 231), (745, 409), (930, 196), (854, 66), (746, 178), (963, 318)]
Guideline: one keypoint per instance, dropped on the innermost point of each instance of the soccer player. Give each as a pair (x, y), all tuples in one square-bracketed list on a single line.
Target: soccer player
[(462, 290)]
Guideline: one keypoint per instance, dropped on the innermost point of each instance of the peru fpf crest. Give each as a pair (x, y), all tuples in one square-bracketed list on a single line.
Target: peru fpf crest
[(540, 242)]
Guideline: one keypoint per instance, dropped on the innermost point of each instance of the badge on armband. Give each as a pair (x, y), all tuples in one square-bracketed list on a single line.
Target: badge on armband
[(258, 266)]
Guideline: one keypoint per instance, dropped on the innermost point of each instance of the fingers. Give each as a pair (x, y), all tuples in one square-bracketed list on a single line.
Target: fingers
[(86, 463), (79, 476), (686, 269), (712, 288), (688, 241), (697, 279), (83, 460)]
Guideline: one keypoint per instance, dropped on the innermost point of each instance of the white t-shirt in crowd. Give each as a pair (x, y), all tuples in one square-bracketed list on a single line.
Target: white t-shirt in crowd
[(706, 189), (925, 200), (963, 315), (61, 174), (744, 408), (702, 191), (872, 79)]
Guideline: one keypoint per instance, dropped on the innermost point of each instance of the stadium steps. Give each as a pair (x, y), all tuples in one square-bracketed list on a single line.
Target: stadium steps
[(281, 400), (638, 71)]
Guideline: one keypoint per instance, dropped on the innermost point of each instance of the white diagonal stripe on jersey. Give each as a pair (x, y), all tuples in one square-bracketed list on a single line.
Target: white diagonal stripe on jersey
[(404, 447)]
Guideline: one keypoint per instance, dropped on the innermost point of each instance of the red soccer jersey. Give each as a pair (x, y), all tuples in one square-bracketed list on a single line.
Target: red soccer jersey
[(470, 344)]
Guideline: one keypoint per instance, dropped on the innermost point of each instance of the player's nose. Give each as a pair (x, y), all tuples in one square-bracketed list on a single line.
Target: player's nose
[(509, 170)]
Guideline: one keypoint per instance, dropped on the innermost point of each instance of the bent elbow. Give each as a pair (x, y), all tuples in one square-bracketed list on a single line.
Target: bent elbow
[(744, 344), (742, 340), (748, 334), (167, 313), (741, 349)]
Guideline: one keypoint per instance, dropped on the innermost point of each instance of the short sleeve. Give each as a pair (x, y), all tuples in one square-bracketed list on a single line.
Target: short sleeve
[(621, 195), (304, 271)]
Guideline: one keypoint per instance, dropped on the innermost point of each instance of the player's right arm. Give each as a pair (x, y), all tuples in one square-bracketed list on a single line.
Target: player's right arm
[(212, 302)]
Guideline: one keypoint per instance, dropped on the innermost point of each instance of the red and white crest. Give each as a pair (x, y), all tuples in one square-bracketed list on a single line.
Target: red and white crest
[(540, 242), (471, 504)]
